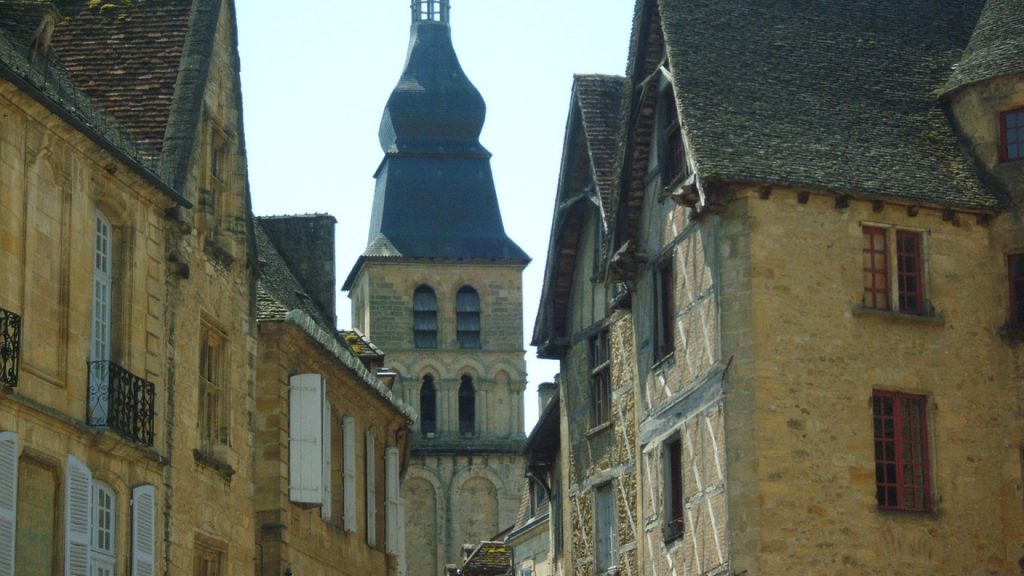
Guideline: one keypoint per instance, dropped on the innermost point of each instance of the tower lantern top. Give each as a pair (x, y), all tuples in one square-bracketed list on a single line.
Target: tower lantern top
[(431, 11)]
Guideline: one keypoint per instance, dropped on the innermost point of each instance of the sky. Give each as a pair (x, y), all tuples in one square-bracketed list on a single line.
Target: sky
[(316, 75)]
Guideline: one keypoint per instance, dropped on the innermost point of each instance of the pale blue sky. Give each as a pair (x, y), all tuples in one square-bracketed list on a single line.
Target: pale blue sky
[(317, 73)]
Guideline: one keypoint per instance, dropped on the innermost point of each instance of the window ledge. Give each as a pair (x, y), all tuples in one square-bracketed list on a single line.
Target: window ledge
[(594, 431), (928, 319), (665, 361), (217, 464), (671, 537), (1012, 334)]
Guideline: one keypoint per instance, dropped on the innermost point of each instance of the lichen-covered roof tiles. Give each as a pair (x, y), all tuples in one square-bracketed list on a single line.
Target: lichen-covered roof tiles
[(820, 94)]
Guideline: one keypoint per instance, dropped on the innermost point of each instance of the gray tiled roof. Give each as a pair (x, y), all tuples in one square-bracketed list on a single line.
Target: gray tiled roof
[(600, 101), (823, 94), (277, 290), (996, 47)]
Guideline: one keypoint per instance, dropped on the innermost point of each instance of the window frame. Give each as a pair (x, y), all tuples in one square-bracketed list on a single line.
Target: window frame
[(604, 505), (1015, 310), (894, 490), (214, 422), (424, 338), (1004, 141), (467, 404), (600, 378), (103, 555), (902, 287), (674, 499), (428, 432), (468, 318), (665, 306)]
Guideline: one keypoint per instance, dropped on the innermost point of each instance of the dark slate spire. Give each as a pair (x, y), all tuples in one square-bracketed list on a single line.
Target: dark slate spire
[(435, 194)]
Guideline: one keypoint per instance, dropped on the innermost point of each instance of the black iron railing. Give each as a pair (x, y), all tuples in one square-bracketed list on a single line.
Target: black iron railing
[(121, 401), (10, 348)]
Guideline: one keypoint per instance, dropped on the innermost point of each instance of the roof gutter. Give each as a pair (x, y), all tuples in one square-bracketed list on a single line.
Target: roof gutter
[(38, 95)]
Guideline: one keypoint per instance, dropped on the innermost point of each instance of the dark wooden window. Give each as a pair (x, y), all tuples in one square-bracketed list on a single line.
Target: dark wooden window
[(1015, 269), (666, 308), (876, 268), (428, 406), (1011, 135), (467, 317), (674, 509), (672, 157), (902, 474), (605, 536), (600, 380), (467, 406), (424, 317), (909, 272)]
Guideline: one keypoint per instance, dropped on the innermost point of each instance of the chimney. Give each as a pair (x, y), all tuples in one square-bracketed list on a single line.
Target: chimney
[(545, 392), (307, 245)]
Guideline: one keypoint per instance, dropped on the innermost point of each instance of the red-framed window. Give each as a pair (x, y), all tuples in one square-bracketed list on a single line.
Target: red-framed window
[(909, 272), (1011, 135), (1015, 272), (876, 268), (600, 380), (902, 472)]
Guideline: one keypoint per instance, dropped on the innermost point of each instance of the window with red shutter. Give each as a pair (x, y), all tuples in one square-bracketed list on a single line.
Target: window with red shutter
[(902, 473)]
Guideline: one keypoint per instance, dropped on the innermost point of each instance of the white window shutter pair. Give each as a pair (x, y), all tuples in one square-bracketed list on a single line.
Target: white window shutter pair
[(348, 431), (78, 523), (8, 500), (391, 502), (371, 491), (309, 425)]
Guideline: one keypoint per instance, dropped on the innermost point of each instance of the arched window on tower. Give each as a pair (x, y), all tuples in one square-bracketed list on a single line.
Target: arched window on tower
[(467, 317), (428, 406), (424, 317), (467, 406)]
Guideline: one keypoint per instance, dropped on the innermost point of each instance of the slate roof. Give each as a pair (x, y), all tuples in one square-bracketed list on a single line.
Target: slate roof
[(826, 95), (996, 47), (600, 98), (277, 290)]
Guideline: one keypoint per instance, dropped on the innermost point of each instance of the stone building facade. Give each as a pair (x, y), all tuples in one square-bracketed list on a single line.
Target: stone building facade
[(127, 257), (331, 438), (813, 235), (439, 289)]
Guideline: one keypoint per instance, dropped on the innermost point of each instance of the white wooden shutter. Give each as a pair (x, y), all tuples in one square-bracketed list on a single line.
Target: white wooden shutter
[(348, 431), (305, 412), (8, 500), (78, 518), (325, 434), (402, 566), (391, 499), (371, 491), (144, 530)]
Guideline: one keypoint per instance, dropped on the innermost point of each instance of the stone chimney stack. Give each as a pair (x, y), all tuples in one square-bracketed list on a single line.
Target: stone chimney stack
[(306, 243), (545, 392)]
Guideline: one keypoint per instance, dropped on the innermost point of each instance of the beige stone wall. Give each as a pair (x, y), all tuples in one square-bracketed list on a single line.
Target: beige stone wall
[(216, 294), (807, 394), (296, 536), (52, 182)]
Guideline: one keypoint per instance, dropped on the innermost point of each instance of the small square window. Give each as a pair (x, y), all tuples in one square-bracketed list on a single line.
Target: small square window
[(1011, 135)]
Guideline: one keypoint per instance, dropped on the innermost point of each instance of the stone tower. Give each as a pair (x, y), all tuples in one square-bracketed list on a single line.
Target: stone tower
[(439, 290)]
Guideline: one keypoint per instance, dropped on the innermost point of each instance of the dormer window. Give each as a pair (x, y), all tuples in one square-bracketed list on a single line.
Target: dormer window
[(1011, 135)]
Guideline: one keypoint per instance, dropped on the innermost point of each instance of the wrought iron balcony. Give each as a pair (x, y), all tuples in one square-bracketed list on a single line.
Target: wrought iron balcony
[(10, 348), (121, 401)]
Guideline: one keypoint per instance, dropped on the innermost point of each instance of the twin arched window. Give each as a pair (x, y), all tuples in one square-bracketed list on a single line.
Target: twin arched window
[(467, 317)]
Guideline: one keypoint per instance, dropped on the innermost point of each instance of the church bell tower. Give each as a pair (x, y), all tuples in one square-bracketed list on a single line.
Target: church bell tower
[(439, 290)]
